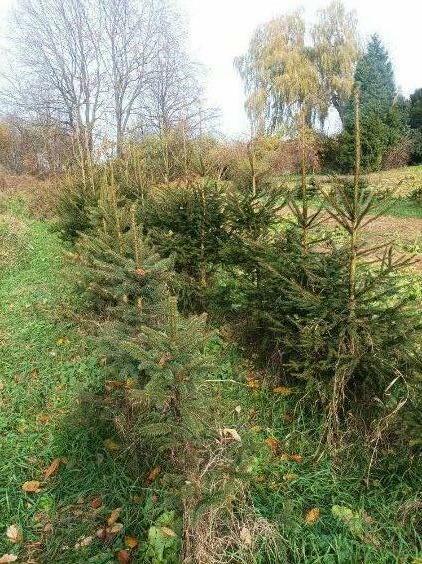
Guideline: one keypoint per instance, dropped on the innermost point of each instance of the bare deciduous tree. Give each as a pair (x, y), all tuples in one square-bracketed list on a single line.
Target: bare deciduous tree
[(130, 51), (59, 58), (115, 64)]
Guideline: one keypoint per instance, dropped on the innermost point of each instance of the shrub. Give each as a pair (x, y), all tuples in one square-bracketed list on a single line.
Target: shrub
[(416, 150), (399, 155)]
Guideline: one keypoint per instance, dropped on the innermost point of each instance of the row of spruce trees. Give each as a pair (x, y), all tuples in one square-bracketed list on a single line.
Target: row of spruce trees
[(288, 269)]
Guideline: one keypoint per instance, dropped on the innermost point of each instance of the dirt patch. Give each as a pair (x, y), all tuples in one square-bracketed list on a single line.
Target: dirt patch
[(405, 229), (404, 232)]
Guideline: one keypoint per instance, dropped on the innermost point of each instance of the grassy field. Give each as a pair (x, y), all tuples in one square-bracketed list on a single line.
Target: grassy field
[(402, 180), (49, 374), (53, 410)]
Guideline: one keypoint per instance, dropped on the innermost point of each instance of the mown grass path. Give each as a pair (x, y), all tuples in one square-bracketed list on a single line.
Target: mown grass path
[(47, 368)]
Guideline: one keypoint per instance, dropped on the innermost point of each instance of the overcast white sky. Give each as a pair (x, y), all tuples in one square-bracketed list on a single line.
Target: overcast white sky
[(220, 30)]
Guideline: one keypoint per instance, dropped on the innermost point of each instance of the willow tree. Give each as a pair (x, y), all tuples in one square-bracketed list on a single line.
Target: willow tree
[(336, 53), (285, 76)]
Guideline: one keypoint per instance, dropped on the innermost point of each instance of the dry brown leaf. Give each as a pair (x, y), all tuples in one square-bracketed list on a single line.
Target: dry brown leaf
[(274, 444), (131, 542), (7, 558), (96, 503), (14, 534), (290, 477), (232, 433), (53, 468), (114, 515), (245, 536), (114, 529), (167, 532), (43, 418), (84, 541), (296, 457), (253, 383), (283, 391), (124, 557), (102, 533), (312, 516), (153, 475), (111, 445), (33, 486)]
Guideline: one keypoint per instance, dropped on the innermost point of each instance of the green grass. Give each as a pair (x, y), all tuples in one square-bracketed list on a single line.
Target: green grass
[(404, 207), (52, 406), (380, 537), (49, 377)]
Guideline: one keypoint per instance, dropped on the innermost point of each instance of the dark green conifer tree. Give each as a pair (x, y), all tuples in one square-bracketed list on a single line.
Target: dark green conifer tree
[(185, 220), (121, 275), (170, 408), (335, 312), (382, 120), (415, 123)]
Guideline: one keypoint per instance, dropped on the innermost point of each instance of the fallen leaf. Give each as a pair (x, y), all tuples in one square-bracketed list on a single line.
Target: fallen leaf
[(33, 486), (53, 468), (232, 433), (102, 533), (283, 391), (312, 516), (114, 529), (114, 515), (123, 557), (7, 558), (274, 444), (131, 542), (42, 418), (367, 518), (14, 534), (96, 503), (245, 536), (153, 474), (296, 457), (48, 528), (111, 445), (290, 477), (238, 409), (84, 541), (253, 383), (167, 532)]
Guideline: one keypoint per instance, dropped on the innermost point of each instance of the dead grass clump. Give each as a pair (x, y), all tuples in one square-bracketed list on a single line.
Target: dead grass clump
[(221, 525)]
